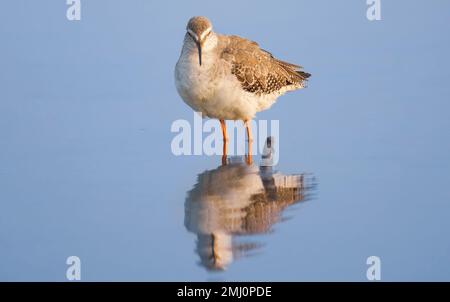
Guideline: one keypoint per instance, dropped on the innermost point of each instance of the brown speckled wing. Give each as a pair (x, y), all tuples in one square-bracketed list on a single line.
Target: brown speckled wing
[(257, 70)]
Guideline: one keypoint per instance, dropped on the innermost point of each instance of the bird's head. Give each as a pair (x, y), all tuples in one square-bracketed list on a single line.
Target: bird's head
[(200, 31)]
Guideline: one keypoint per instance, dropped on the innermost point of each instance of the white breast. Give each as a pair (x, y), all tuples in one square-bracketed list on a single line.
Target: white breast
[(214, 91), (193, 82)]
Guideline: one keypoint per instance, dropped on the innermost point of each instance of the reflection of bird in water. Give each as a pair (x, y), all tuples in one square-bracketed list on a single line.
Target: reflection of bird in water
[(238, 199)]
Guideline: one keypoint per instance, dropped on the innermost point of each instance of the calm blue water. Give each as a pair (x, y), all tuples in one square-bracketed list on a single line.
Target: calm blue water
[(86, 167)]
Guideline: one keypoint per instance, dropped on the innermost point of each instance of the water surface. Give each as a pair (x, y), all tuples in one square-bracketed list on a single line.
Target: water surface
[(86, 167)]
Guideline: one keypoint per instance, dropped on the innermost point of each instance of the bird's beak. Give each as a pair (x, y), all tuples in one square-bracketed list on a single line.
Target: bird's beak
[(199, 47)]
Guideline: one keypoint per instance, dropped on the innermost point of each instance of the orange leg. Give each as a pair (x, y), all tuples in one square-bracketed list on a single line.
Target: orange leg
[(248, 126), (223, 124)]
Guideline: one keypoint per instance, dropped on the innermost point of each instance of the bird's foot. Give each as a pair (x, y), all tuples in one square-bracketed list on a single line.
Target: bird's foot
[(224, 160)]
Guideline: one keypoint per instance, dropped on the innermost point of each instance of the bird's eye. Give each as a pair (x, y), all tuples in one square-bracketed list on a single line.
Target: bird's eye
[(193, 36)]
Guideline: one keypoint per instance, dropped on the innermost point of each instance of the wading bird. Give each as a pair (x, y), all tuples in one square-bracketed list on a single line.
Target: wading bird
[(231, 78)]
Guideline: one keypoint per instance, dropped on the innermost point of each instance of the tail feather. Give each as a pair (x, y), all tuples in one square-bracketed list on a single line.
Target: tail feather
[(303, 74), (295, 71)]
